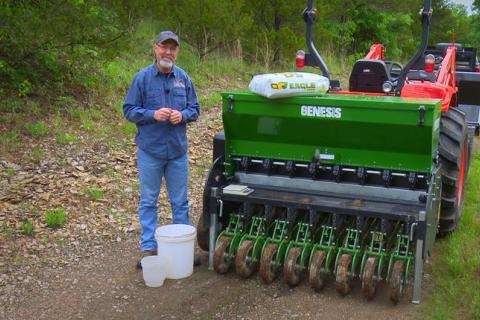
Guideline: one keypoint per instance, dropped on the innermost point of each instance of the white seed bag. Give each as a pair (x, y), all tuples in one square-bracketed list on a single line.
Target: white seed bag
[(288, 84)]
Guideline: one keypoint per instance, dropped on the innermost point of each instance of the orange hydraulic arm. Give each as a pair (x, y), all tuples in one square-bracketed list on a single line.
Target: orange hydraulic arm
[(377, 52)]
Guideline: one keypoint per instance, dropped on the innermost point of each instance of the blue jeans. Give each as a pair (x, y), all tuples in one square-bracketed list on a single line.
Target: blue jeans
[(151, 170)]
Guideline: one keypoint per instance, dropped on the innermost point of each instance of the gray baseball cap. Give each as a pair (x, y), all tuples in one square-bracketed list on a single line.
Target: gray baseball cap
[(167, 35)]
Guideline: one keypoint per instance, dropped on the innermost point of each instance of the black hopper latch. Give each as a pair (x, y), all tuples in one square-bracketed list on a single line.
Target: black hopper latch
[(230, 103), (421, 116)]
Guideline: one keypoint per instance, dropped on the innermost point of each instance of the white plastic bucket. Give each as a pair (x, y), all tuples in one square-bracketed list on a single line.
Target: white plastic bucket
[(176, 242), (154, 270)]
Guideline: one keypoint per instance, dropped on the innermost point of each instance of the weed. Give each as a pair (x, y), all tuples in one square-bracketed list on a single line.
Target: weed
[(7, 230), (64, 138), (65, 102), (210, 100), (27, 228), (129, 129), (10, 105), (9, 139), (76, 113), (33, 107), (10, 172), (95, 193), (95, 114), (37, 154), (200, 169), (58, 121), (86, 123), (24, 88), (55, 218), (38, 129)]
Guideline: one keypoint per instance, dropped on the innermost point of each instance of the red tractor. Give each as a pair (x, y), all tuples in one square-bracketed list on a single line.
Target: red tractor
[(446, 71)]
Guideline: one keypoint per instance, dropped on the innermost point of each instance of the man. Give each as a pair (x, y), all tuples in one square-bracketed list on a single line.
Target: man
[(161, 101)]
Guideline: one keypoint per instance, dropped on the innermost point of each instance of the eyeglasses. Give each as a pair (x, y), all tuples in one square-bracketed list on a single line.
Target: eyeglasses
[(171, 48)]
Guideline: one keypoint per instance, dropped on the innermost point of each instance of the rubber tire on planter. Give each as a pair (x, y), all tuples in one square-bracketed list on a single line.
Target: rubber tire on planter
[(268, 271), (291, 271), (221, 263), (453, 159), (342, 277), (397, 281), (243, 260), (369, 283), (316, 277)]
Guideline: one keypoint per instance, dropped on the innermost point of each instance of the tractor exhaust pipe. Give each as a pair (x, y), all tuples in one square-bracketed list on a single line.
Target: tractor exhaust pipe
[(313, 58), (426, 14)]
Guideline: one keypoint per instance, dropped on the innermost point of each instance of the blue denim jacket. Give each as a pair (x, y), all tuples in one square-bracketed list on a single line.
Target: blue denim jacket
[(152, 90)]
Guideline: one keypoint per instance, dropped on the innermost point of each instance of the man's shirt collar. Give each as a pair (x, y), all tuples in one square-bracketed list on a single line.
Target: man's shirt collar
[(157, 72)]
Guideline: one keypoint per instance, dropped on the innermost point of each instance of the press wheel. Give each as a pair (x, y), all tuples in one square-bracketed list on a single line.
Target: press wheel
[(316, 276), (268, 271), (369, 282), (342, 280), (221, 263), (291, 272), (243, 260), (397, 280)]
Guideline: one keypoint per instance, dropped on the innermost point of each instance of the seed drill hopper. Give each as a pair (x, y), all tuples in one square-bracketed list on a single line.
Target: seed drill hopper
[(348, 185)]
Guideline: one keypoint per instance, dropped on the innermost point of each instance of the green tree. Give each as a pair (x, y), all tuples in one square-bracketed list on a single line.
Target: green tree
[(278, 29), (47, 43), (207, 25)]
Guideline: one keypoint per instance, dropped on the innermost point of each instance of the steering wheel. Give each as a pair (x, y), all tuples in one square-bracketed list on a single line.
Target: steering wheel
[(390, 68)]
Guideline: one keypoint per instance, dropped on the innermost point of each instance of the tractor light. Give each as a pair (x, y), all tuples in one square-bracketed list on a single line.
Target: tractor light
[(429, 63), (300, 59), (387, 87)]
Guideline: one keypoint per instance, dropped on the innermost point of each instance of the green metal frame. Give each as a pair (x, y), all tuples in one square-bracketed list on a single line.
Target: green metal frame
[(257, 232), (403, 251), (279, 235), (234, 230), (303, 240), (326, 243), (377, 248)]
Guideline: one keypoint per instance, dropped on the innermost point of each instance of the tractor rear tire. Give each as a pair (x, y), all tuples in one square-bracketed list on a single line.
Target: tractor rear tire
[(453, 159)]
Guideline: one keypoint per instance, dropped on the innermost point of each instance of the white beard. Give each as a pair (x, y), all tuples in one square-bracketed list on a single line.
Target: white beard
[(165, 63)]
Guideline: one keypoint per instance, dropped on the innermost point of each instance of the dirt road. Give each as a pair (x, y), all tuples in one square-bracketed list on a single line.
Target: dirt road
[(109, 287)]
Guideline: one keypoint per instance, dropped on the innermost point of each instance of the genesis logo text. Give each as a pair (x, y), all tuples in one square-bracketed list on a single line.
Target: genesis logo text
[(321, 112)]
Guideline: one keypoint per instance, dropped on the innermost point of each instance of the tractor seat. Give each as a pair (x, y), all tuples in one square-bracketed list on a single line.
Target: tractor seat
[(368, 75)]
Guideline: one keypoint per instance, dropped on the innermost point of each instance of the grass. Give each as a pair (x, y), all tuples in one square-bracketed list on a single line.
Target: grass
[(37, 154), (7, 231), (64, 138), (456, 263), (27, 228), (55, 218), (95, 193), (37, 129)]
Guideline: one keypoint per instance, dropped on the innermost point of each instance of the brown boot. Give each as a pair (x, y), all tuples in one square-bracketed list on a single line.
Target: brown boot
[(144, 254)]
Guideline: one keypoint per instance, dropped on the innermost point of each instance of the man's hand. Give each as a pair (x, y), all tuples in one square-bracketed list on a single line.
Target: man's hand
[(175, 117), (162, 114)]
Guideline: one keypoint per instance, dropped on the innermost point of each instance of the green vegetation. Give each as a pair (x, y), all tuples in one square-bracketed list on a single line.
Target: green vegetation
[(55, 218), (456, 261), (37, 154), (7, 231), (37, 129), (27, 228), (10, 172), (95, 193), (64, 138)]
